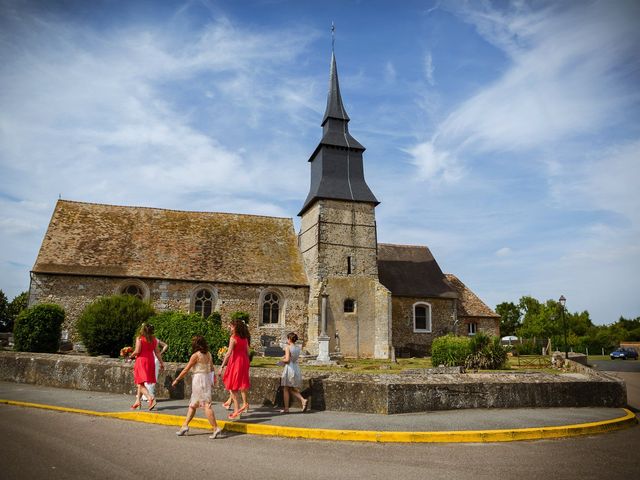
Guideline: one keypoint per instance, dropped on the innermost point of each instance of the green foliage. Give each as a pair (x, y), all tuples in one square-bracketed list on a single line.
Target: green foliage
[(38, 329), (527, 347), (244, 316), (9, 311), (510, 318), (109, 323), (450, 350), (4, 313), (487, 353), (177, 329)]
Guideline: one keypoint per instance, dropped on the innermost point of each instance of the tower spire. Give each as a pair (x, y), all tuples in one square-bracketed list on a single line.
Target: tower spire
[(337, 170)]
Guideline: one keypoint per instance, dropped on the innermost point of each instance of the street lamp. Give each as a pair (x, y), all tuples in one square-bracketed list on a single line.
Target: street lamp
[(562, 301)]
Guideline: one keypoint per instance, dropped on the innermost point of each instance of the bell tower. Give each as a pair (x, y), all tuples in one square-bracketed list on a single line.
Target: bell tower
[(348, 307)]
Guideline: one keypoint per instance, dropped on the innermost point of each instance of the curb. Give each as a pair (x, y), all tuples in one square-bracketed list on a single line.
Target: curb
[(460, 436)]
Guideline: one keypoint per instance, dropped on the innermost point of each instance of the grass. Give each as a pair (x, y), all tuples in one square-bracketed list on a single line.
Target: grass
[(366, 365), (363, 365)]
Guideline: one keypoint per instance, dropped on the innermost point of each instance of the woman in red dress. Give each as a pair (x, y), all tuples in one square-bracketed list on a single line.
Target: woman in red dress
[(236, 376), (144, 370)]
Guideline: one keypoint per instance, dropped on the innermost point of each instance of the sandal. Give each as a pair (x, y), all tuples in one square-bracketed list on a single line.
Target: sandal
[(136, 406), (227, 405), (305, 404), (152, 403), (283, 411)]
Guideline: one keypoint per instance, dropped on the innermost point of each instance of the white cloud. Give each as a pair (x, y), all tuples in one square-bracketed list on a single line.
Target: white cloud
[(433, 164), (429, 69), (565, 78), (504, 252)]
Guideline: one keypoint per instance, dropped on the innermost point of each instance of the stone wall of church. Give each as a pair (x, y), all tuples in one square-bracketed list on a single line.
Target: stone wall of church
[(404, 339), (74, 293), (488, 325)]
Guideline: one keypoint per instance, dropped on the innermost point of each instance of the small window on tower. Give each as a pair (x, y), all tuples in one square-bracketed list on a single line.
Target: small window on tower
[(348, 265), (349, 305)]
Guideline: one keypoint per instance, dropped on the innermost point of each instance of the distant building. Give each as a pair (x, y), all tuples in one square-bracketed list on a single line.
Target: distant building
[(378, 297)]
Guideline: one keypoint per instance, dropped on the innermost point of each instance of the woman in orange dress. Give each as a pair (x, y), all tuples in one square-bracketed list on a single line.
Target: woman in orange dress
[(236, 376), (144, 370)]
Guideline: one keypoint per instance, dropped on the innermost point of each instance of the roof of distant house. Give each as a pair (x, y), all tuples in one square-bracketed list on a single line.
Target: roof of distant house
[(470, 305), (107, 240), (411, 271)]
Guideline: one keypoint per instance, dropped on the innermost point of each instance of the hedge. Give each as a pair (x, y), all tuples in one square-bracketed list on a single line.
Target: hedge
[(38, 328)]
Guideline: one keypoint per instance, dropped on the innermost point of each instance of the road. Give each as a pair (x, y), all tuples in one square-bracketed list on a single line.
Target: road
[(54, 445), (629, 371)]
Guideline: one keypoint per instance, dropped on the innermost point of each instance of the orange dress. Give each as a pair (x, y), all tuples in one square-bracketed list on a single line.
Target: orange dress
[(236, 375), (144, 370)]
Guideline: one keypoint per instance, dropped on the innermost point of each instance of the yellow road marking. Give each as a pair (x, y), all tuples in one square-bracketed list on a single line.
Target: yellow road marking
[(460, 436)]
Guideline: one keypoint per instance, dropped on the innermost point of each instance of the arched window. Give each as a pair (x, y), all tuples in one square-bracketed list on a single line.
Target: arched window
[(203, 304), (349, 305), (421, 318), (270, 308), (133, 287), (133, 290)]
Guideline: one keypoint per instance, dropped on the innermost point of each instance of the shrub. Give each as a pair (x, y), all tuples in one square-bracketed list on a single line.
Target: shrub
[(38, 328), (486, 353), (176, 329), (109, 323), (244, 316), (527, 347), (450, 350)]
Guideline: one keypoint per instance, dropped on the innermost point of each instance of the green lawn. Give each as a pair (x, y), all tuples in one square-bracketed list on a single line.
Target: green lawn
[(354, 365)]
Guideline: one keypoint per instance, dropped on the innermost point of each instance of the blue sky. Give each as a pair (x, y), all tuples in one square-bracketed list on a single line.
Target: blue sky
[(505, 136)]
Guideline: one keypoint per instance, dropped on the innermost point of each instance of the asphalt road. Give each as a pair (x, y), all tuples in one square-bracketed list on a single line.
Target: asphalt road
[(54, 445), (616, 365), (629, 371)]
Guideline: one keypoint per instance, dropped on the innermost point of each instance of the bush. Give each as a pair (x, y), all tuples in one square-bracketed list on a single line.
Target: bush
[(449, 350), (109, 323), (176, 329), (487, 353), (38, 329), (527, 347), (244, 316)]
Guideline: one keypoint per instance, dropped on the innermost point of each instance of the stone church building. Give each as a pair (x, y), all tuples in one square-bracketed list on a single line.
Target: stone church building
[(331, 280)]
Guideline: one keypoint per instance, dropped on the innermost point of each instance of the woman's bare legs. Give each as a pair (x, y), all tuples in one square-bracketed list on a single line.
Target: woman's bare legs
[(285, 396), (208, 411)]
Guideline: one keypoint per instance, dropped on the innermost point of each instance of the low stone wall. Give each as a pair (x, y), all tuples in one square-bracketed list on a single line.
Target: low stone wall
[(375, 393)]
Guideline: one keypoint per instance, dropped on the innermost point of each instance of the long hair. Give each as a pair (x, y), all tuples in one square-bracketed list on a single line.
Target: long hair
[(146, 331), (199, 344), (240, 328)]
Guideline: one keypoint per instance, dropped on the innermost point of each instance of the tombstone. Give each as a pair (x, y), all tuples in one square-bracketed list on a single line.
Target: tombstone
[(270, 346)]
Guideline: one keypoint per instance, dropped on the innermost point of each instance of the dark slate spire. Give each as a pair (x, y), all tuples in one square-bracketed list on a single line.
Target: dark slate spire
[(337, 171), (335, 108)]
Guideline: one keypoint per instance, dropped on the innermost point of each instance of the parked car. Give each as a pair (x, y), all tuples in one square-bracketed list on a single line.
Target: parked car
[(624, 353)]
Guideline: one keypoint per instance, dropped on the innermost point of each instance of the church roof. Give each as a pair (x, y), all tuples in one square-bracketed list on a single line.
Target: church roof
[(411, 271), (108, 240), (469, 305)]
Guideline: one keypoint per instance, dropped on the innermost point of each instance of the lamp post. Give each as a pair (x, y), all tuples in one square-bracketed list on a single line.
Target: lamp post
[(562, 301)]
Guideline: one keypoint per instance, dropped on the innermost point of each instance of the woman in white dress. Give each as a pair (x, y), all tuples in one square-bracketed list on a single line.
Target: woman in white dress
[(291, 380), (202, 364)]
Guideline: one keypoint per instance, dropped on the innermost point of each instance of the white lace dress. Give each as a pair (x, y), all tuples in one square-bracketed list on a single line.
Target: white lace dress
[(291, 374), (201, 382)]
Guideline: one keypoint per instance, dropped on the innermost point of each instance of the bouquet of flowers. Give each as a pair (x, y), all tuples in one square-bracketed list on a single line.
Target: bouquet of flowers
[(125, 354), (222, 351)]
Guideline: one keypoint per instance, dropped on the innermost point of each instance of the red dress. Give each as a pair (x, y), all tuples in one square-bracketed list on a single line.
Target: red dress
[(236, 375), (144, 370)]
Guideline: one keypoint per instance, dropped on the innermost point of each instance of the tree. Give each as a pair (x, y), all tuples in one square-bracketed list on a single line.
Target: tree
[(4, 312), (510, 318)]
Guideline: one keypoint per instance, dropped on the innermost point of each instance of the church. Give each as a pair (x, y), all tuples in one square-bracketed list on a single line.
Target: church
[(332, 282)]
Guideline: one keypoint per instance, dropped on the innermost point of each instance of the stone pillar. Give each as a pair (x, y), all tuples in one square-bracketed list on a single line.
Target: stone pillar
[(323, 339)]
